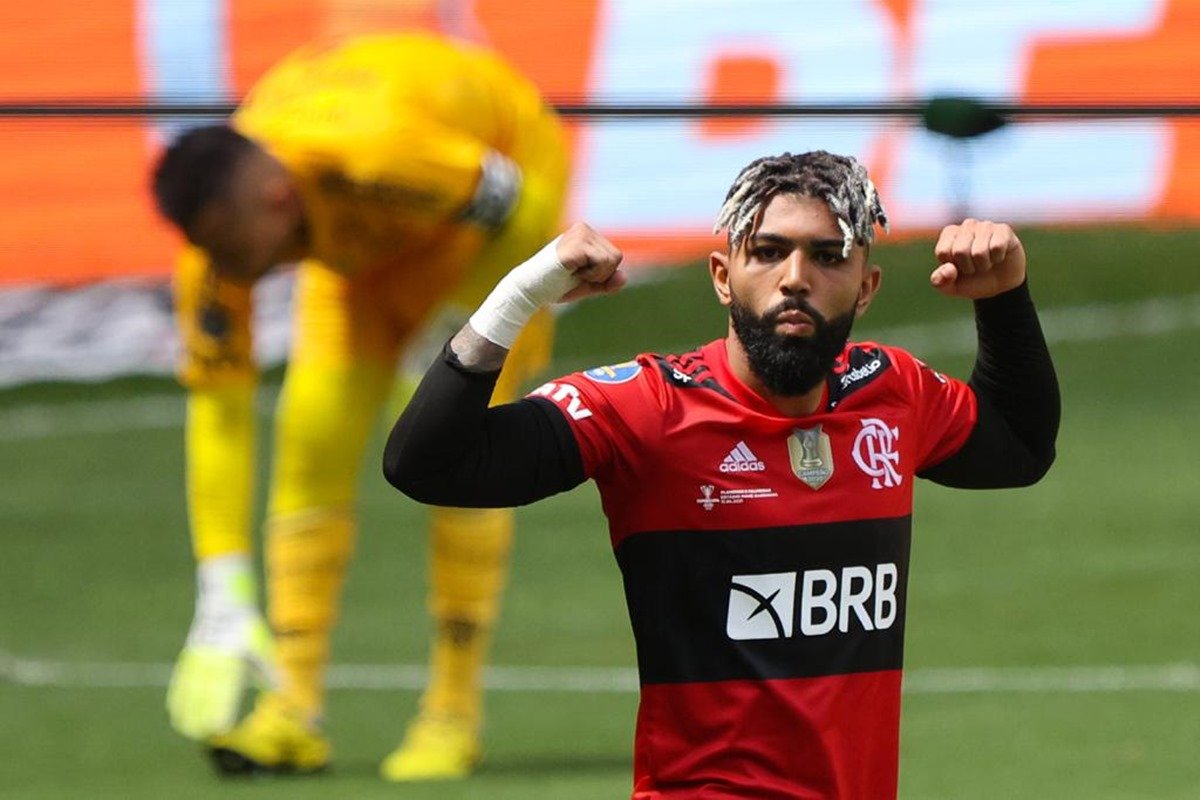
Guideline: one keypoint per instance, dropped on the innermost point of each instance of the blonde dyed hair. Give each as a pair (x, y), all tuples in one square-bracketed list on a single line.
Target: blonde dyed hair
[(841, 181)]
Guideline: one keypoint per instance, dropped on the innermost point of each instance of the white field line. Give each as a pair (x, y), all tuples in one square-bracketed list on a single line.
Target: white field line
[(1087, 323), (155, 411), (1179, 677), (46, 420)]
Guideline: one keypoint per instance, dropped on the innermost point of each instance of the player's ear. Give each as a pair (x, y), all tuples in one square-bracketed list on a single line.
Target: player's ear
[(872, 278), (278, 191), (718, 268)]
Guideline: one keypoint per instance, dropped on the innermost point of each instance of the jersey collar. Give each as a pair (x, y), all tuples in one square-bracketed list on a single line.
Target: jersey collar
[(716, 355)]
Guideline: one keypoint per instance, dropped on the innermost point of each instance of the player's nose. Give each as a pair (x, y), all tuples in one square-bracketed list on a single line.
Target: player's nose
[(796, 273)]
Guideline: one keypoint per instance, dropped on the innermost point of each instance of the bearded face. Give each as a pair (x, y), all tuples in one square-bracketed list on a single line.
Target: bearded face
[(790, 365)]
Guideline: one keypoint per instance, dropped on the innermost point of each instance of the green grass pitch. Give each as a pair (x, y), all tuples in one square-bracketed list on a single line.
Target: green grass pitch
[(1096, 567)]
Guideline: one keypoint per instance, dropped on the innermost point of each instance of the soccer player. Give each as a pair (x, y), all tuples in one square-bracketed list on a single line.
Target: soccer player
[(759, 489), (405, 174)]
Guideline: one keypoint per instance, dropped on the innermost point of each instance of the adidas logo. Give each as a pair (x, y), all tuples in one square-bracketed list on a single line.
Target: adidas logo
[(740, 459)]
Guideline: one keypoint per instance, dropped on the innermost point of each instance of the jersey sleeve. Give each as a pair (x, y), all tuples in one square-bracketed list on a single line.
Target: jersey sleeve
[(607, 409), (944, 407), (213, 319)]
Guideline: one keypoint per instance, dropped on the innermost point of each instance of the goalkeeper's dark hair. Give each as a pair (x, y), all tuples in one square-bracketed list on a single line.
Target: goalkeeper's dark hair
[(196, 170), (841, 181)]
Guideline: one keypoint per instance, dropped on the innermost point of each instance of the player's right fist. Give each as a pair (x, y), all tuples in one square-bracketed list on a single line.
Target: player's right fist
[(228, 648), (592, 259)]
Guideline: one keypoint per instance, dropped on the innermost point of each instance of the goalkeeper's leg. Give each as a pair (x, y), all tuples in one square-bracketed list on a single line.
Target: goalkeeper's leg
[(469, 549), (326, 413), (468, 569)]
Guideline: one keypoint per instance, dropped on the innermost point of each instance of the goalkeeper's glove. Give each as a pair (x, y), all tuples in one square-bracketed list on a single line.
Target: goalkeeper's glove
[(228, 646)]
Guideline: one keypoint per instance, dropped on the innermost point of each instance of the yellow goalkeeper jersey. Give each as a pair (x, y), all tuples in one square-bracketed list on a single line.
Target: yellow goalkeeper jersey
[(387, 137)]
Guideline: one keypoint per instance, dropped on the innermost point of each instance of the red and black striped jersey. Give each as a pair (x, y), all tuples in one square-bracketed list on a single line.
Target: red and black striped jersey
[(765, 562)]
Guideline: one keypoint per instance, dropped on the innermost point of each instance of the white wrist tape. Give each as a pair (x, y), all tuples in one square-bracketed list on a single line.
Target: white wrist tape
[(536, 283)]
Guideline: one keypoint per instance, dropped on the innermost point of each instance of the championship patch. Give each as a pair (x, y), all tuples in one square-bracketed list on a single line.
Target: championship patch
[(616, 373), (811, 455)]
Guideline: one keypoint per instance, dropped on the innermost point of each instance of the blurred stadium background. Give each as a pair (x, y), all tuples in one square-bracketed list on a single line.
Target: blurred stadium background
[(1054, 634)]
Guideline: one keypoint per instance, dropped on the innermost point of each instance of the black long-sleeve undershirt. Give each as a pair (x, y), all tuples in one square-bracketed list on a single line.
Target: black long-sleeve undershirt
[(449, 448), (1012, 443)]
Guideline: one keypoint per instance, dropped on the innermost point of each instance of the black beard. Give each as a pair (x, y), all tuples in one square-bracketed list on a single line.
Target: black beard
[(790, 365)]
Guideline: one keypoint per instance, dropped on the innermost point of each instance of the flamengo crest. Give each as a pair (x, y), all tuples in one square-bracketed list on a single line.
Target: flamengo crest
[(875, 453)]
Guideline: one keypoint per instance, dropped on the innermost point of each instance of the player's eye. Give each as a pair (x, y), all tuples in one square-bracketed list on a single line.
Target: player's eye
[(767, 253), (829, 258)]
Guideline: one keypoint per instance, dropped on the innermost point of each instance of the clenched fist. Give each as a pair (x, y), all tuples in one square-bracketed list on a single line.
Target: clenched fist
[(978, 259), (592, 259)]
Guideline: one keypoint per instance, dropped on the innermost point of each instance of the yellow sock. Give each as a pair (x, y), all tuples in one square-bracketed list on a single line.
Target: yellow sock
[(307, 555), (468, 569)]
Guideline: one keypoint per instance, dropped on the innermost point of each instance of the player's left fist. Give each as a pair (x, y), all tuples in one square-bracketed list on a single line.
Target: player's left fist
[(978, 259)]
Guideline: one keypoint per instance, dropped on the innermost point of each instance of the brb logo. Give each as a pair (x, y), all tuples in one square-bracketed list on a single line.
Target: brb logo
[(764, 606), (761, 606), (875, 454)]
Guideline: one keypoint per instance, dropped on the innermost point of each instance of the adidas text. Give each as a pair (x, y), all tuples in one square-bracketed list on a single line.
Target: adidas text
[(741, 459)]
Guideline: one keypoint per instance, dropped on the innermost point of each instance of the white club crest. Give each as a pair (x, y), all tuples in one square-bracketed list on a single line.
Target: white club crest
[(875, 453)]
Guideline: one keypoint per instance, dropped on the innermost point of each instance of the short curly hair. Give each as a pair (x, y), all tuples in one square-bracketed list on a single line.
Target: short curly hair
[(841, 181), (196, 170)]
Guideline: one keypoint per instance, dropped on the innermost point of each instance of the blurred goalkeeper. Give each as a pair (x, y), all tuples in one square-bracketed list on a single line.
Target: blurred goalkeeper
[(405, 174)]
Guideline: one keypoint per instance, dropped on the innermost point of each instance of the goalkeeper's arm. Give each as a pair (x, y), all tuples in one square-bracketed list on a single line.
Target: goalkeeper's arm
[(228, 641), (228, 644)]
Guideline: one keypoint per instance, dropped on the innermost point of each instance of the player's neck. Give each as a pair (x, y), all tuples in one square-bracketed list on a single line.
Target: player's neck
[(800, 405)]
